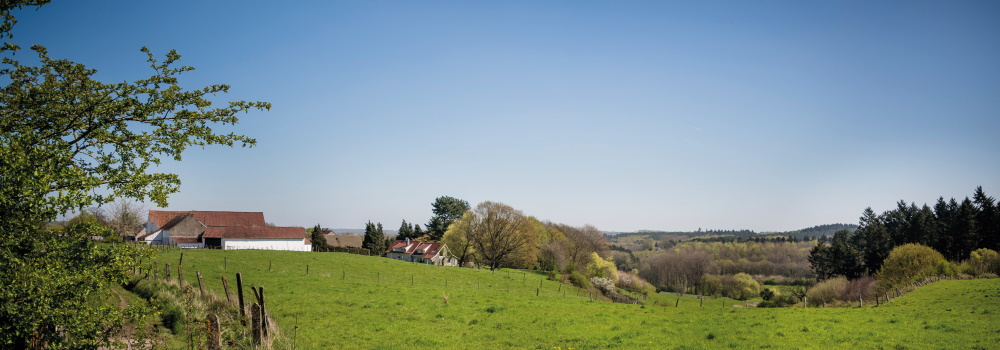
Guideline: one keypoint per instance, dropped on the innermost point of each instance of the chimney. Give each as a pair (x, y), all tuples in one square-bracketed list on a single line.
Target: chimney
[(407, 241)]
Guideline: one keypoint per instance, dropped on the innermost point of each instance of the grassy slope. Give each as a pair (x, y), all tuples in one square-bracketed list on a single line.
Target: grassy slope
[(361, 312)]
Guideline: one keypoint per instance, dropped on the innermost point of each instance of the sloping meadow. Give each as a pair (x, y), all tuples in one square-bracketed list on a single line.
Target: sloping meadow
[(344, 301)]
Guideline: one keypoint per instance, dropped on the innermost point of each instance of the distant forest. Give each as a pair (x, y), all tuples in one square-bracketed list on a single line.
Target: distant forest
[(812, 233)]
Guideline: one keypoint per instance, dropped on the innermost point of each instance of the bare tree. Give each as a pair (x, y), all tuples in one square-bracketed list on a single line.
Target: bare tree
[(125, 217), (499, 233), (582, 241)]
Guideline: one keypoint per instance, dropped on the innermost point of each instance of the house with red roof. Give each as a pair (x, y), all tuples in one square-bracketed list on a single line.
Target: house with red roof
[(434, 253), (221, 230)]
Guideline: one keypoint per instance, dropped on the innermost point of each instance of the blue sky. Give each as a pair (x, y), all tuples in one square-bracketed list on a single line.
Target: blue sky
[(768, 115)]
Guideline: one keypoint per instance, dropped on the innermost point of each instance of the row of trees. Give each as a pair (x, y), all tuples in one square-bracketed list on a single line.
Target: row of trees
[(952, 228), (496, 235)]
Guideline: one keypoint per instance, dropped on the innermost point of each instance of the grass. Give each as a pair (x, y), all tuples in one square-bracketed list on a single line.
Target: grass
[(349, 301)]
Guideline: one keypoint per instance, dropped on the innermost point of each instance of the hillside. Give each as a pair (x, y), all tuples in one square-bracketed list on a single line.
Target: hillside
[(350, 301)]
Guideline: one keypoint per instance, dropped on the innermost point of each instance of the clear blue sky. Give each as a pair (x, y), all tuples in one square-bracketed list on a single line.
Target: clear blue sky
[(765, 115)]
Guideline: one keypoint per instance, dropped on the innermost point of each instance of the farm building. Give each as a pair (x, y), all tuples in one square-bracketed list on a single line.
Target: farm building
[(434, 253), (221, 230)]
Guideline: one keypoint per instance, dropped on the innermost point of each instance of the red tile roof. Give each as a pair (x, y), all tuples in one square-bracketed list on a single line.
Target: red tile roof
[(259, 232), (430, 249), (210, 218)]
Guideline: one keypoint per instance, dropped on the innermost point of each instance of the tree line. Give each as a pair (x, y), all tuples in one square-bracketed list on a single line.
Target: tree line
[(953, 228)]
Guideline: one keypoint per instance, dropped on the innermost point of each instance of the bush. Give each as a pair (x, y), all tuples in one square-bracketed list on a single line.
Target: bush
[(712, 285), (605, 285), (579, 280), (635, 284), (779, 301), (598, 267), (908, 263), (828, 291), (863, 287), (985, 261), (741, 286), (767, 294)]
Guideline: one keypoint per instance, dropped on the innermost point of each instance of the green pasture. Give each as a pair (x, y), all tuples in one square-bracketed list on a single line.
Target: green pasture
[(359, 302)]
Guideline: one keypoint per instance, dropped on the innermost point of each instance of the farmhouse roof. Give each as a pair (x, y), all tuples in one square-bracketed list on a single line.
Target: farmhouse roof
[(424, 250), (256, 232), (210, 218)]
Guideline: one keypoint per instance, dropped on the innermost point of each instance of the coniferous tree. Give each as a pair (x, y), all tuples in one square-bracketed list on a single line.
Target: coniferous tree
[(375, 240), (987, 221), (446, 211), (845, 256), (943, 213), (417, 232), (872, 240), (820, 261), (964, 231), (405, 231), (319, 243)]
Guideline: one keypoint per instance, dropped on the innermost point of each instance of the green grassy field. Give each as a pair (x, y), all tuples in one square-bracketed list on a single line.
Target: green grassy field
[(350, 301)]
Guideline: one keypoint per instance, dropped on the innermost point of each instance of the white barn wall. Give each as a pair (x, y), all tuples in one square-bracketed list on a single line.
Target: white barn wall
[(297, 244)]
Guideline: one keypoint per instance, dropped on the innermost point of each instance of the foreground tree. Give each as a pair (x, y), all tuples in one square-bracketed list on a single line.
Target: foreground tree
[(446, 211), (68, 142), (499, 233)]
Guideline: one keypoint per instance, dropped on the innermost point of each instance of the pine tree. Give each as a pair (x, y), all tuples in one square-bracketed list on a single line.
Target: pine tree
[(872, 239), (405, 231), (319, 243), (375, 240), (987, 221), (844, 256), (446, 211)]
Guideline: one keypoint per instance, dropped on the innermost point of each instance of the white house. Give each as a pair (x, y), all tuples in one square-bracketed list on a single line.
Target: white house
[(434, 253)]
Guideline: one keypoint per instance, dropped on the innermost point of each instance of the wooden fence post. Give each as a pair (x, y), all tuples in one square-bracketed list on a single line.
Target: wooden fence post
[(166, 271), (213, 332), (225, 263), (180, 276), (269, 263), (200, 286), (239, 293), (263, 313), (225, 285), (255, 323), (537, 290)]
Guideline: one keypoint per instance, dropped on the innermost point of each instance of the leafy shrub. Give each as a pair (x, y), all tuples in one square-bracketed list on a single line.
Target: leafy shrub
[(741, 286), (598, 267), (555, 276), (779, 301), (946, 268), (635, 284), (985, 261), (767, 293), (712, 285), (828, 291), (579, 280), (908, 263)]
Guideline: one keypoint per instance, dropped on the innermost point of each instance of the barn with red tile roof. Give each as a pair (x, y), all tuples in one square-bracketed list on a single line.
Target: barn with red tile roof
[(221, 230)]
